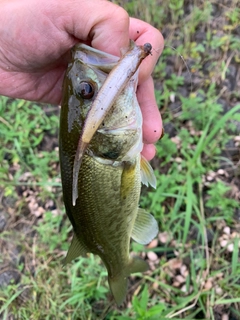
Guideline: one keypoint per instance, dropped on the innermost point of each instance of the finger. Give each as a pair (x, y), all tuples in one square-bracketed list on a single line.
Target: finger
[(102, 24), (148, 151), (142, 32), (152, 121)]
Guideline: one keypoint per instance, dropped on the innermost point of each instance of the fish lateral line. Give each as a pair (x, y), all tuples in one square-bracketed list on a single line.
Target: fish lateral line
[(116, 81)]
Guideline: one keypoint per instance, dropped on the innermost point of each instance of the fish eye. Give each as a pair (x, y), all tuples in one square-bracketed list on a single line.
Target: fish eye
[(86, 90)]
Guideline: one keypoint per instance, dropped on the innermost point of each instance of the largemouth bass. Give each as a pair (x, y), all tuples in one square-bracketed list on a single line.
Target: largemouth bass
[(101, 166)]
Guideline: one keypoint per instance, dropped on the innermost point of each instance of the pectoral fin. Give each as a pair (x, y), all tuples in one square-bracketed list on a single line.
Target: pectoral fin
[(76, 249), (145, 227), (147, 174)]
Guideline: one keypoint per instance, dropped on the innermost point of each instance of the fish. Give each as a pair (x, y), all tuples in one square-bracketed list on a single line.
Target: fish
[(102, 169)]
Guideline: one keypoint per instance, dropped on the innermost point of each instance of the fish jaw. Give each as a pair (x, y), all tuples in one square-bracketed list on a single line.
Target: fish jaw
[(94, 58)]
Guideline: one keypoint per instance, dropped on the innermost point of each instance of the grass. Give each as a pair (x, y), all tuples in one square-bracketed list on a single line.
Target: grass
[(196, 271)]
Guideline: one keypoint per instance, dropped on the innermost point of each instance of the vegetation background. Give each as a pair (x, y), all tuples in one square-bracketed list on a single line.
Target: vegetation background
[(195, 265)]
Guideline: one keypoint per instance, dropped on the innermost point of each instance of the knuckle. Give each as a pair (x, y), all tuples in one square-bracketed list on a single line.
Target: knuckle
[(122, 15)]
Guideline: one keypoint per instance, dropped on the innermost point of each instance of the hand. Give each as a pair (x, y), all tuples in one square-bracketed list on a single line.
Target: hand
[(36, 37)]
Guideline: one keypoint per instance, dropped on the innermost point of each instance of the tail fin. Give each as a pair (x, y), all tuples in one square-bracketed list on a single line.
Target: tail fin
[(118, 284)]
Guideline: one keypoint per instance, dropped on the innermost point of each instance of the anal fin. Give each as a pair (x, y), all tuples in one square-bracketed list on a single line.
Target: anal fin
[(145, 227), (76, 249)]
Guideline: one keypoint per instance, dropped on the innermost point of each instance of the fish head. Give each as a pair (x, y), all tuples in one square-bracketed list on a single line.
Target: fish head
[(122, 125)]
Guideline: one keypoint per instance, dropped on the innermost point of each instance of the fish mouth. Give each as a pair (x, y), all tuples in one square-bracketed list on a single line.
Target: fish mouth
[(95, 58), (116, 81)]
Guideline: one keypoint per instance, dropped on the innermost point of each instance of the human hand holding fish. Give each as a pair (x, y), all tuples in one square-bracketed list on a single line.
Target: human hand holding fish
[(36, 37)]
